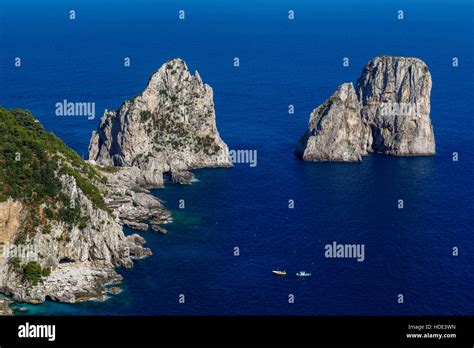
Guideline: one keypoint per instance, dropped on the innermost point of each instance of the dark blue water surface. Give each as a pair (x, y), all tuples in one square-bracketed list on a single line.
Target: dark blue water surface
[(283, 62)]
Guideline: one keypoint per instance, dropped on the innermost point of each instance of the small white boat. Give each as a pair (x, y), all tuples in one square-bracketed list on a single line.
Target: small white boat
[(279, 273), (303, 274)]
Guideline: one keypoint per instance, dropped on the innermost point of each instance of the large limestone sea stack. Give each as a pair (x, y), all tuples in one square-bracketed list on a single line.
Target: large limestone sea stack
[(170, 127), (388, 112), (167, 130)]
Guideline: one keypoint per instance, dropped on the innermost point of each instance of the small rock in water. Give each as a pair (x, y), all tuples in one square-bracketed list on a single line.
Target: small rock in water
[(114, 290), (181, 177), (141, 226), (160, 229)]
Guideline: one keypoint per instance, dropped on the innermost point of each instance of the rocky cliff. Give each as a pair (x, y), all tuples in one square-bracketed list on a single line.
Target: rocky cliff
[(67, 214), (337, 122), (395, 96), (58, 238), (170, 127), (393, 116)]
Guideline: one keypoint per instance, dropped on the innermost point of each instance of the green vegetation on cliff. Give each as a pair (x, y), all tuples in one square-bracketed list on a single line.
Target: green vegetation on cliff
[(30, 161), (34, 273)]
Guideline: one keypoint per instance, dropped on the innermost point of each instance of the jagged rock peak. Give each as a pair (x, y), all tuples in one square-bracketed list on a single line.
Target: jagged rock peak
[(170, 126), (335, 131), (170, 75)]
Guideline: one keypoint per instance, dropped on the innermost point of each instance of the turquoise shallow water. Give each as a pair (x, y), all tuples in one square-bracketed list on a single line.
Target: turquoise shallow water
[(407, 251)]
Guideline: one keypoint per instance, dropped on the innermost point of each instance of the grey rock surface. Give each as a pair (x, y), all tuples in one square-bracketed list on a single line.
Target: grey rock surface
[(389, 113), (170, 126), (82, 259), (395, 96), (335, 131)]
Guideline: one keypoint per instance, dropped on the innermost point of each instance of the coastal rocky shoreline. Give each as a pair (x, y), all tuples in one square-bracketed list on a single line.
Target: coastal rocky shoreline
[(70, 213), (75, 229), (388, 112)]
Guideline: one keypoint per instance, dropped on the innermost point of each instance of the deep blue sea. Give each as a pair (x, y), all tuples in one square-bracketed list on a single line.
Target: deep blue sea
[(282, 62)]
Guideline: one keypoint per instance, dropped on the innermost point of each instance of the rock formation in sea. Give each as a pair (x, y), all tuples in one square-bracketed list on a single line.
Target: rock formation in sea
[(169, 128), (336, 122), (395, 96), (58, 238), (393, 116)]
